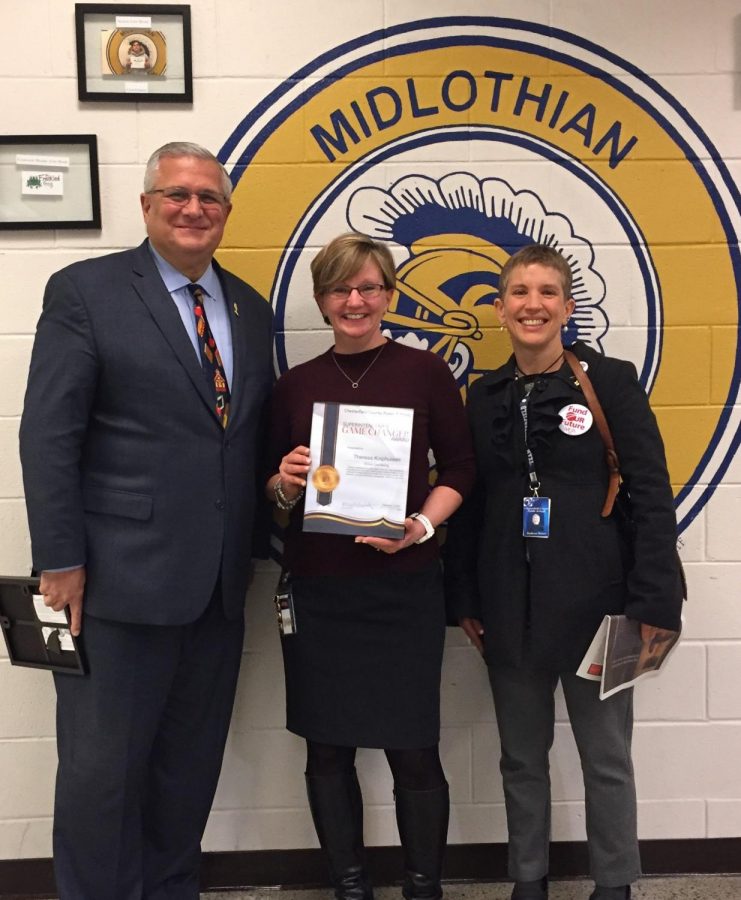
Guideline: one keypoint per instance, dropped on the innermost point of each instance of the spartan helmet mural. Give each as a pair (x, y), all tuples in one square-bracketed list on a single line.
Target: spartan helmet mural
[(459, 231)]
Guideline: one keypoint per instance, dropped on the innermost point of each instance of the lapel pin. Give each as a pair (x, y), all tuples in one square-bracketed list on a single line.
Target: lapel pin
[(236, 309)]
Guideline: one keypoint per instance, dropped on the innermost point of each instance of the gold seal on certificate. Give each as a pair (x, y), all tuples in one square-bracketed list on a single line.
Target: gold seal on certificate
[(325, 478)]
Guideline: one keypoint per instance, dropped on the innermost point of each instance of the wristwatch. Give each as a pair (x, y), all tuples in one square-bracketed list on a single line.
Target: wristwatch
[(429, 530)]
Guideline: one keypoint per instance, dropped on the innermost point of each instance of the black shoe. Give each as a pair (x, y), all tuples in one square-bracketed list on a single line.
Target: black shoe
[(531, 890), (422, 817), (337, 809), (353, 884), (610, 893)]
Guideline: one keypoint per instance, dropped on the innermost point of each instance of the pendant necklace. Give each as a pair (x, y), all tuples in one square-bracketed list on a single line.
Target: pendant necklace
[(520, 374), (356, 383)]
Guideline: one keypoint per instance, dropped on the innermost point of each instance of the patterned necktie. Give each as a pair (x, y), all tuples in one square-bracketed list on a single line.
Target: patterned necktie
[(213, 367)]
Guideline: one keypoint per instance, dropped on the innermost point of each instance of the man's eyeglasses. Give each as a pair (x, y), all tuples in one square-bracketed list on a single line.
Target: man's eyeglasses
[(181, 197), (366, 291)]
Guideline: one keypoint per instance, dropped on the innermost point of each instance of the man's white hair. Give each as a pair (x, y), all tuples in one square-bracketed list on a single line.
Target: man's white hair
[(183, 148)]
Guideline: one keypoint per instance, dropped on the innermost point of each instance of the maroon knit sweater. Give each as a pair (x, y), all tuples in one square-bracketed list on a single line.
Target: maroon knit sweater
[(403, 377)]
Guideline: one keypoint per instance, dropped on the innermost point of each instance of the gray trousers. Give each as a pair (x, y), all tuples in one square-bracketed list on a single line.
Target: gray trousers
[(524, 704)]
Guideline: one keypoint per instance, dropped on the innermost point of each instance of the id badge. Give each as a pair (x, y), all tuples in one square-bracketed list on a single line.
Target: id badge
[(536, 517), (284, 605)]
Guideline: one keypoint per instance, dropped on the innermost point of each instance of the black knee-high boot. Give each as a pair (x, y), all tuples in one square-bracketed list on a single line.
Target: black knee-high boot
[(337, 809), (422, 817)]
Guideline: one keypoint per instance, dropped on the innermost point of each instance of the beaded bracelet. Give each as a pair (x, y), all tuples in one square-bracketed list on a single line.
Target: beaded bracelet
[(281, 501)]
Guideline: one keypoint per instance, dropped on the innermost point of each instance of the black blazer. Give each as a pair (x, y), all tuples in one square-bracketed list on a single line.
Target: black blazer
[(126, 467), (549, 606)]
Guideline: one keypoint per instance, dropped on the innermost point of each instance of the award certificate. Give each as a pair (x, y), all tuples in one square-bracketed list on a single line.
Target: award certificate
[(357, 483)]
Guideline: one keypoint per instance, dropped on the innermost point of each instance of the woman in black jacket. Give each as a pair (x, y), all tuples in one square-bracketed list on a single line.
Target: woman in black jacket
[(532, 567)]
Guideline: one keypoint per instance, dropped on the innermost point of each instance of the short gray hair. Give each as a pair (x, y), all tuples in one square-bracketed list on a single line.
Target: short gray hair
[(183, 148)]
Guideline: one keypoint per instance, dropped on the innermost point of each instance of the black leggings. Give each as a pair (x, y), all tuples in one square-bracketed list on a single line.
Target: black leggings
[(413, 770)]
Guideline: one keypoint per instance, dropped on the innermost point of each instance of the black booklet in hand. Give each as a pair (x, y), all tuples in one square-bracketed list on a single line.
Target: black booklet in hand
[(36, 635)]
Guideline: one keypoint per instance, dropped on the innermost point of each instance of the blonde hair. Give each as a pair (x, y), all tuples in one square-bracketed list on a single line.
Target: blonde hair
[(345, 255)]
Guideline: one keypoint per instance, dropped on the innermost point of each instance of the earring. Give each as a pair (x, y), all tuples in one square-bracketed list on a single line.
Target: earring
[(565, 325)]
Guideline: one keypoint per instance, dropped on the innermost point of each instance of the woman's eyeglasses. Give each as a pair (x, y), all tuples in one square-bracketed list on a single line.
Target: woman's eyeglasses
[(366, 291)]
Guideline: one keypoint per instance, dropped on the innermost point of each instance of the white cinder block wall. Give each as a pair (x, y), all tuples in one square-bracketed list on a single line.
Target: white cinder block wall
[(688, 733)]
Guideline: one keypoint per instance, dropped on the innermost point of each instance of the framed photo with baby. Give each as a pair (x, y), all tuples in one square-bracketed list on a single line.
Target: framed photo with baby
[(49, 181), (129, 52)]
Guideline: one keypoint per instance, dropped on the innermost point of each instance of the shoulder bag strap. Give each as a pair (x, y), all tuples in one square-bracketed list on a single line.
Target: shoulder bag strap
[(611, 457)]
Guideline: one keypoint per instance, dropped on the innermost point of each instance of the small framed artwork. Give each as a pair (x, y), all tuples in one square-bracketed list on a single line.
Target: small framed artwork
[(134, 53), (49, 181)]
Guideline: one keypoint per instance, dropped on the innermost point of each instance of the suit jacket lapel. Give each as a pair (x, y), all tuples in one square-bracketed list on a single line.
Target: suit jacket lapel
[(148, 284)]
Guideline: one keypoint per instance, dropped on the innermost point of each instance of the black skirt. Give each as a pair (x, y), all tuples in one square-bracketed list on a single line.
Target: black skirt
[(363, 668)]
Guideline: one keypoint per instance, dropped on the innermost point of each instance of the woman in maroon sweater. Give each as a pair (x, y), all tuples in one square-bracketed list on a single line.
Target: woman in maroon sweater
[(363, 666)]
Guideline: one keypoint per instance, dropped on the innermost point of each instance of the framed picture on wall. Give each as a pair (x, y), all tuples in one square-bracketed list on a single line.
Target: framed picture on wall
[(49, 181), (129, 52)]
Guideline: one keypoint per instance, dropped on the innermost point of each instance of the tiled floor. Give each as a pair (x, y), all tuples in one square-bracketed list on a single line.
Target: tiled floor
[(698, 887)]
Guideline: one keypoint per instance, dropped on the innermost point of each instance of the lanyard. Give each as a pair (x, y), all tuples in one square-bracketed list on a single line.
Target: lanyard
[(532, 475)]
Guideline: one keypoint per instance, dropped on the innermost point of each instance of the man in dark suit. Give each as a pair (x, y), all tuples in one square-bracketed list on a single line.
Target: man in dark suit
[(139, 444)]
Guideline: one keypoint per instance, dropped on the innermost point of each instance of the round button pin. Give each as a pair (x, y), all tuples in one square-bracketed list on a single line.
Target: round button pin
[(575, 419)]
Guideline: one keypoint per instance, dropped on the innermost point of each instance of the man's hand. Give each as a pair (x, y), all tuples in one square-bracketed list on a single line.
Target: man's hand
[(474, 631), (60, 589)]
